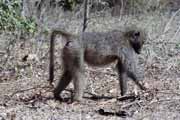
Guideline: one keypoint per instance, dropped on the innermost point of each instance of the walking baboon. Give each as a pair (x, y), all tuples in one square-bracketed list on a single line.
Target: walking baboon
[(97, 49)]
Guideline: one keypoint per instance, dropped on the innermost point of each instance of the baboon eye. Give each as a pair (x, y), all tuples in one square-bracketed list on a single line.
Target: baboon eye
[(137, 34)]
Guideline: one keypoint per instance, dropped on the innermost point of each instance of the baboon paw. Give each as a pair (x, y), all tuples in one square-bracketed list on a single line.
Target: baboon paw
[(77, 101), (74, 102), (122, 93), (143, 88), (57, 97), (51, 85)]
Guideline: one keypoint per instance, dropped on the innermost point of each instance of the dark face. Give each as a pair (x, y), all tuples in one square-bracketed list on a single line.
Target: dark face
[(137, 40)]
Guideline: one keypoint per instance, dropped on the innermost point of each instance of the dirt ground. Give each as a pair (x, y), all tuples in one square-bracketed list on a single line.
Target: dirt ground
[(26, 95)]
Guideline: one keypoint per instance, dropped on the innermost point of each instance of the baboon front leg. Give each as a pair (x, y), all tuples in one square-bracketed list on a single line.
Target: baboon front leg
[(122, 78), (123, 83), (63, 83)]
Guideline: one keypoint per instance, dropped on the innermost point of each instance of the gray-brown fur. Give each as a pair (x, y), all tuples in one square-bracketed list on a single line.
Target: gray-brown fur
[(98, 49)]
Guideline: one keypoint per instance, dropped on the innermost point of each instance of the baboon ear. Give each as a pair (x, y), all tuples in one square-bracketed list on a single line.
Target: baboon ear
[(137, 34)]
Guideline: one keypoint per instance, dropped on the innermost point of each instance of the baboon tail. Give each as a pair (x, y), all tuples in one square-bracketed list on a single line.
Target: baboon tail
[(61, 32), (51, 62)]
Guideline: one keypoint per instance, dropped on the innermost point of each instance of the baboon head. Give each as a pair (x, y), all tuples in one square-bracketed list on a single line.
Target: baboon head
[(136, 38)]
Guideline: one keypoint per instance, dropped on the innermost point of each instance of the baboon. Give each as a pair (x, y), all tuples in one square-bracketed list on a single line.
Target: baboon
[(97, 49)]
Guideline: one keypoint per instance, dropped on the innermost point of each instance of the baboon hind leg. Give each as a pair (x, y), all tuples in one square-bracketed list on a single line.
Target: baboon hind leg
[(63, 83), (67, 76), (122, 77), (73, 61)]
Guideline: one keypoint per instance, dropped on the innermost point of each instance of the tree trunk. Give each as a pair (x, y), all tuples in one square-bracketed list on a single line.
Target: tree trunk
[(118, 8)]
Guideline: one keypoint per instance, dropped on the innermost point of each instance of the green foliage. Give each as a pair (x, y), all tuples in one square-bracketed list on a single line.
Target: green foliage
[(178, 46), (11, 19)]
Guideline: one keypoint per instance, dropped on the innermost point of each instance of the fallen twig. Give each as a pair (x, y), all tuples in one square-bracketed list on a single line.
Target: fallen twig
[(20, 91)]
